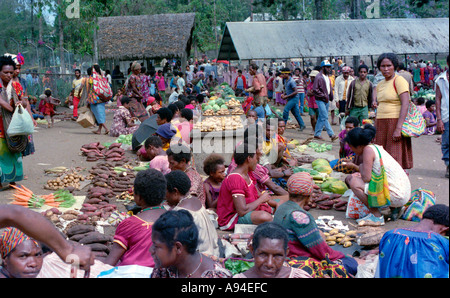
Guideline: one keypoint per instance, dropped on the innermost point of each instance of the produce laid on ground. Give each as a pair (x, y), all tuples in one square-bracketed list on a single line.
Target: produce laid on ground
[(87, 234), (335, 236), (427, 94), (325, 201), (219, 123), (320, 147), (97, 151), (70, 181), (25, 197)]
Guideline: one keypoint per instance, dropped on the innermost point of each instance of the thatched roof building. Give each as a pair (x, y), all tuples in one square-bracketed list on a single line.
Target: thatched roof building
[(145, 36)]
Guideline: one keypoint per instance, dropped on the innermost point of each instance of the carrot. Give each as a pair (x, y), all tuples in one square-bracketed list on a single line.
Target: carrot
[(26, 189), (21, 190), (20, 203), (52, 204), (21, 198)]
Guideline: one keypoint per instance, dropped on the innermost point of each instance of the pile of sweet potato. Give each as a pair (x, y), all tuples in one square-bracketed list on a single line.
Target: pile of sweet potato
[(104, 176), (96, 151), (326, 202), (87, 235)]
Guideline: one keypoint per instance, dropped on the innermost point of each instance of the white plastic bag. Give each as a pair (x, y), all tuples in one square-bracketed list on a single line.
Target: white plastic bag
[(21, 123), (128, 271), (355, 208)]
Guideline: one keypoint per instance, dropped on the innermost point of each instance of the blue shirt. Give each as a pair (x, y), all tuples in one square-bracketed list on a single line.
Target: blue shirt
[(291, 87), (260, 112)]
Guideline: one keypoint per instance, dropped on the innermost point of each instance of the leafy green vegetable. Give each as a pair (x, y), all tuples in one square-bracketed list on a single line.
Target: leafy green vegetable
[(238, 266)]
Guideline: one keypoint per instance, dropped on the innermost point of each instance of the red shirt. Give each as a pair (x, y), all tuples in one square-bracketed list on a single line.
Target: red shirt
[(235, 184)]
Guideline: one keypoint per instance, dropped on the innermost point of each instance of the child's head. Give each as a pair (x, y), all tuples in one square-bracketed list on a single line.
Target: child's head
[(431, 105), (252, 117), (420, 101), (187, 114), (48, 93), (152, 146), (149, 196), (178, 186), (350, 123), (214, 167)]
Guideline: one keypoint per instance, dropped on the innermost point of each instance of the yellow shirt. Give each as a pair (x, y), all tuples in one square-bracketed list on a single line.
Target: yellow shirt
[(389, 103)]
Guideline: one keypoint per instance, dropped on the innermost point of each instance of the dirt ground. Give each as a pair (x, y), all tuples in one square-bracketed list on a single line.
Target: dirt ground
[(60, 146)]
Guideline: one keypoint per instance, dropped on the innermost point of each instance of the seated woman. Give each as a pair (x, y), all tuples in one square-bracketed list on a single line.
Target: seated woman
[(21, 256), (178, 198), (133, 237), (359, 139), (239, 200), (157, 156), (419, 251), (269, 249), (430, 117), (179, 157), (214, 167), (174, 249), (306, 242), (123, 123)]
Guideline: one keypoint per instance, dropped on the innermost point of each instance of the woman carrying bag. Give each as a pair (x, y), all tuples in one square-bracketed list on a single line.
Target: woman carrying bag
[(11, 148), (380, 181)]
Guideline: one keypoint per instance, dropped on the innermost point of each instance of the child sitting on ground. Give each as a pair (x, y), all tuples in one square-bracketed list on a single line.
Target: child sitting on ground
[(36, 113), (156, 155), (49, 107), (430, 118), (346, 155), (214, 167)]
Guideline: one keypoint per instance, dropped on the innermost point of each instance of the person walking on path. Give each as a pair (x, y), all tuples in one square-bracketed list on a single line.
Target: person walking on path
[(360, 97), (298, 78), (76, 93), (342, 85), (292, 97), (442, 117), (323, 94)]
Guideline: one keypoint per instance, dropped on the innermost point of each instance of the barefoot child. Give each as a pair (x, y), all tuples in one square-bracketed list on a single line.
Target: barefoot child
[(49, 107), (214, 167)]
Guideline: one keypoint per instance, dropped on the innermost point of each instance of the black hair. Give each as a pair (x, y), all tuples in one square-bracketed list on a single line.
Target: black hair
[(361, 136), (429, 103), (438, 214), (7, 60), (125, 100), (179, 152), (89, 71), (239, 71), (363, 66), (77, 70), (285, 69), (173, 226), (353, 120), (97, 69), (242, 152), (151, 186), (270, 230), (200, 98), (179, 180), (187, 114), (420, 100), (211, 162), (173, 108), (165, 113), (154, 141), (143, 70), (390, 56), (48, 93), (180, 104), (184, 100)]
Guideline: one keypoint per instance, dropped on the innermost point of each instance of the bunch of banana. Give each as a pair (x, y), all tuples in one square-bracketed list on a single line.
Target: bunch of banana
[(56, 170)]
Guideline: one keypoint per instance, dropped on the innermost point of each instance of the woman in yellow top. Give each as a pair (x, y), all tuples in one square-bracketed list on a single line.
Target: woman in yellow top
[(392, 107)]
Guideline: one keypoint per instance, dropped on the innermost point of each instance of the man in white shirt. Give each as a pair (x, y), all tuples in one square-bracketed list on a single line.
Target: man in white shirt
[(442, 113), (181, 83), (341, 86)]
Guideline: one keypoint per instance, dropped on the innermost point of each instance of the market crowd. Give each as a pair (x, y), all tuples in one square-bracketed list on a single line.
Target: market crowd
[(173, 233)]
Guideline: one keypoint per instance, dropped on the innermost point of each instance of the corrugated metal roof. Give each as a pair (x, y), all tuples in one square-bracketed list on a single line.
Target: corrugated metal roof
[(325, 38)]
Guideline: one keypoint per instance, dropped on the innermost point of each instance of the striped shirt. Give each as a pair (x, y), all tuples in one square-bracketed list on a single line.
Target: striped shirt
[(300, 84)]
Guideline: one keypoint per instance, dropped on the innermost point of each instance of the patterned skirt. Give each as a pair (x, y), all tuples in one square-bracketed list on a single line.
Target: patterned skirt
[(401, 150), (11, 169)]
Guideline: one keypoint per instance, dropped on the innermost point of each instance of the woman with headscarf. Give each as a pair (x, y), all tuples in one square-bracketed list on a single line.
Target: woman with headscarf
[(22, 256), (11, 168), (133, 91), (307, 246)]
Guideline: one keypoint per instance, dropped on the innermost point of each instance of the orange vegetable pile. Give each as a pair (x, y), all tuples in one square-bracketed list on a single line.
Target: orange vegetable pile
[(25, 197)]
